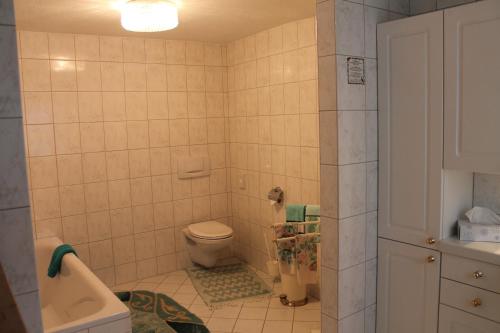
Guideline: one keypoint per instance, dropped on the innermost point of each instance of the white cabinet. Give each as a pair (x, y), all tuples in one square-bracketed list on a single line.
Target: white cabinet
[(472, 87), (439, 120), (408, 288), (410, 71), (455, 321)]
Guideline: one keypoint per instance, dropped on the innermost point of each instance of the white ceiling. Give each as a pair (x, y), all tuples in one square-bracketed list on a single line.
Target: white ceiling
[(203, 20)]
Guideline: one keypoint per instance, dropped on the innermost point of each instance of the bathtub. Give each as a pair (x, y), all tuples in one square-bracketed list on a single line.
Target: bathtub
[(76, 300)]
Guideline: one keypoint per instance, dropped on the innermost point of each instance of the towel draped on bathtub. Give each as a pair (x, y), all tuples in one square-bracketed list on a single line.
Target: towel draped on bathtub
[(57, 257)]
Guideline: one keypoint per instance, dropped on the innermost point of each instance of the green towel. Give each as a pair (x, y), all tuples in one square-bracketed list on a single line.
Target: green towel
[(57, 257), (295, 213), (312, 213)]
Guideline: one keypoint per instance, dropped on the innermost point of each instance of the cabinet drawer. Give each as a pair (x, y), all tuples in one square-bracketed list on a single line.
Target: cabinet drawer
[(475, 273), (455, 321), (462, 296)]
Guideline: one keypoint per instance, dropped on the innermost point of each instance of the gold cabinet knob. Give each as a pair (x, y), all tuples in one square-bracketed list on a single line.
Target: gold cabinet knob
[(477, 274), (476, 302), (431, 241), (431, 259)]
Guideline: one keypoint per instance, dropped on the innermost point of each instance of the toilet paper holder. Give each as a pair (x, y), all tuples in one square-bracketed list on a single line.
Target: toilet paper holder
[(276, 194)]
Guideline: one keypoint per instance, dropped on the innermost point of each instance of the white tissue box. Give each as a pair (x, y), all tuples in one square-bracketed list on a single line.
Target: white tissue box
[(478, 232)]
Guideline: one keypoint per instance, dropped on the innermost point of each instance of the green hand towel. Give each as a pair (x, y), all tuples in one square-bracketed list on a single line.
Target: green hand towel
[(295, 213), (57, 257), (312, 213)]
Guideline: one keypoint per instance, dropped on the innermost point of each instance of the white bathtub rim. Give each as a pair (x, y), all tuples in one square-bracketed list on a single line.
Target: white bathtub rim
[(112, 310), (73, 328)]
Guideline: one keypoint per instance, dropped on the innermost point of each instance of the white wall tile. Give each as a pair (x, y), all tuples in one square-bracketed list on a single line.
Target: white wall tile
[(29, 307), (134, 50), (422, 6), (327, 82), (371, 282), (10, 103), (450, 3), (352, 190), (383, 4), (352, 324), (372, 17), (371, 186), (371, 98), (16, 237), (351, 137), (7, 12), (400, 6), (352, 241), (351, 296), (330, 292), (349, 23), (487, 191), (61, 46), (34, 45), (63, 75), (36, 75), (111, 48), (155, 51), (329, 191), (330, 239), (87, 47), (12, 165), (371, 235), (328, 137)]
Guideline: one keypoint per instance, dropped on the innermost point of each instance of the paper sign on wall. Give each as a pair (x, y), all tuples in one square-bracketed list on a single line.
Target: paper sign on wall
[(355, 70)]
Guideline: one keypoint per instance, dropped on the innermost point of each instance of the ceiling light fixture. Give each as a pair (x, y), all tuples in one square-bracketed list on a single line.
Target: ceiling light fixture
[(149, 15)]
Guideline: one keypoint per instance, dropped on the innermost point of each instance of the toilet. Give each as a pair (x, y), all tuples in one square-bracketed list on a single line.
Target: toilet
[(205, 239)]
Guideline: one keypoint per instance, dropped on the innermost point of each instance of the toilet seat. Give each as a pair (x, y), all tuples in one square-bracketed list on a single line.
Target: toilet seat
[(210, 230)]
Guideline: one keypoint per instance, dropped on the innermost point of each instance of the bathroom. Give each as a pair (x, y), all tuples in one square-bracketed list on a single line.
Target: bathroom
[(119, 143), (134, 138)]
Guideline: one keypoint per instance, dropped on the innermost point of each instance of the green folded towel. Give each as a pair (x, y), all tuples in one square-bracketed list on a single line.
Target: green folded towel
[(295, 213), (57, 257), (312, 213)]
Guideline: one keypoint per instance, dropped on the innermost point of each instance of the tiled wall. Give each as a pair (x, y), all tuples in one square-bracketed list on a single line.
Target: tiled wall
[(487, 191), (106, 120), (424, 6), (349, 156), (16, 241), (273, 125), (349, 160)]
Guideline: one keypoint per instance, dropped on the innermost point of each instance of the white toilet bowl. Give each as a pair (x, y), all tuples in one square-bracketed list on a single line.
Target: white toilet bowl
[(205, 239)]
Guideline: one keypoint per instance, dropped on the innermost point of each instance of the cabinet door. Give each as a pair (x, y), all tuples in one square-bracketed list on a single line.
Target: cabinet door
[(455, 321), (408, 288), (472, 87), (410, 62)]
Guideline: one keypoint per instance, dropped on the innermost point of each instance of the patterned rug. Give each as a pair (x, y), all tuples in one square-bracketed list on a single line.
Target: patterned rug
[(228, 283), (158, 313)]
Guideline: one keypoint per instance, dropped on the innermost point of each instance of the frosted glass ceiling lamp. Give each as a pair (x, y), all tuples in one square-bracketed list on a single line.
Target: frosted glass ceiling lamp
[(149, 15)]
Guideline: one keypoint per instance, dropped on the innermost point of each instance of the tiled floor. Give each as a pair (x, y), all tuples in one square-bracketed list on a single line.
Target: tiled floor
[(251, 316)]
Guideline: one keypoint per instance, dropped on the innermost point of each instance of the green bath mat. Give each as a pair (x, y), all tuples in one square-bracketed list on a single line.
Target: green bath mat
[(228, 283), (158, 313)]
